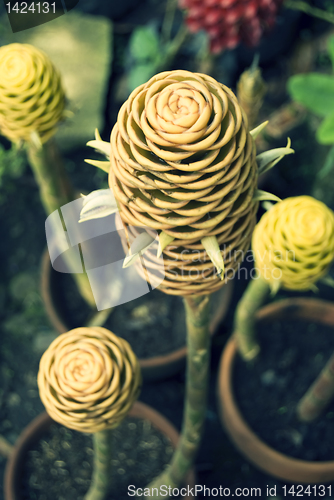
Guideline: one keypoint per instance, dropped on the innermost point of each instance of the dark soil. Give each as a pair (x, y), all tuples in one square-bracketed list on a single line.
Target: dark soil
[(293, 353), (60, 465), (153, 324)]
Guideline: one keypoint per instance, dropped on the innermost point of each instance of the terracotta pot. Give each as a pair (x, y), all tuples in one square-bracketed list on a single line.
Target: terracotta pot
[(256, 451), (41, 424), (155, 368)]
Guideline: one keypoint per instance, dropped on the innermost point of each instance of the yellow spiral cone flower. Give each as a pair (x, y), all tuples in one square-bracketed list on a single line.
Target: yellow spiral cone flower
[(88, 379), (293, 243), (32, 99), (183, 163)]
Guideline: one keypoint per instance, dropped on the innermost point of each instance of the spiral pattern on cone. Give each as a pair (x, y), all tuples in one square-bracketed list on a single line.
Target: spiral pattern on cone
[(31, 95), (183, 162), (88, 379), (294, 242)]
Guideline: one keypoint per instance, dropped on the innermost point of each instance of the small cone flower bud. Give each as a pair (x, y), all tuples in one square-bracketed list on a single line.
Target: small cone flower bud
[(32, 99), (88, 379), (293, 243)]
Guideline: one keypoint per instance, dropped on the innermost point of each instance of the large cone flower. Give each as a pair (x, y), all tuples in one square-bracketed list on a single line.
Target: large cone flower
[(88, 379), (293, 243), (183, 163), (31, 95)]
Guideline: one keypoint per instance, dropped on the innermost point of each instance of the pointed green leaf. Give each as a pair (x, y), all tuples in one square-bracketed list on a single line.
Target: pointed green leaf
[(325, 133), (328, 280), (98, 204), (269, 159), (97, 135), (274, 287), (103, 165), (260, 195), (138, 247), (210, 243), (164, 240), (315, 91), (257, 130), (267, 205), (101, 146)]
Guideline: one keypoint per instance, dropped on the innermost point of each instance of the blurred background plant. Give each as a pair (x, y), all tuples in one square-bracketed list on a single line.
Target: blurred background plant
[(315, 91), (12, 165)]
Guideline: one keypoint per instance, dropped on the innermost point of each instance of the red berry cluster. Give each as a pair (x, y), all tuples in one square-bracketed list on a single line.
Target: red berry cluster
[(229, 22)]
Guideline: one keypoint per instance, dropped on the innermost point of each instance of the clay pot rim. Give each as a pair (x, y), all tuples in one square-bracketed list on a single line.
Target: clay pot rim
[(42, 422), (249, 444), (178, 355)]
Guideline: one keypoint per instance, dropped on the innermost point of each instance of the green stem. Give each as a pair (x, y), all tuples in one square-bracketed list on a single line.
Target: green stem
[(174, 47), (198, 364), (244, 321), (319, 395), (205, 60), (55, 191), (308, 9), (168, 20), (101, 480), (54, 185)]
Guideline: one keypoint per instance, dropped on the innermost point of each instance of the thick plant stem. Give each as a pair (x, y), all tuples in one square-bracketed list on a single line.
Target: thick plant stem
[(244, 322), (308, 9), (101, 480), (319, 395), (55, 191), (198, 364)]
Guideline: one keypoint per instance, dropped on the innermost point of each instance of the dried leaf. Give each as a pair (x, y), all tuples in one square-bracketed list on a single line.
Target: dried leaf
[(210, 243)]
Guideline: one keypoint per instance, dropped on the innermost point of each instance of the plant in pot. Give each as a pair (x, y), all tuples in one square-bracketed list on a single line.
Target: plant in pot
[(32, 104), (89, 380), (293, 247), (183, 162)]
